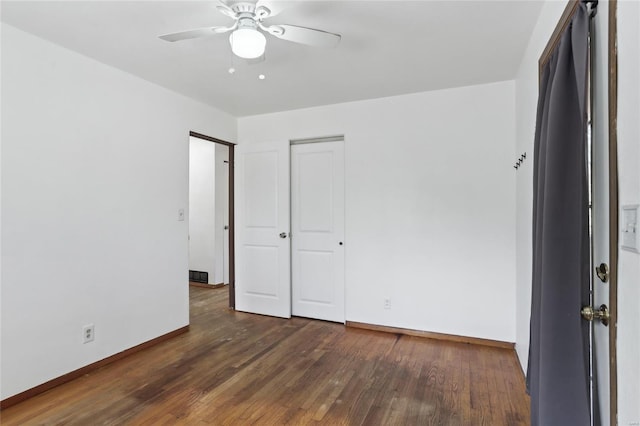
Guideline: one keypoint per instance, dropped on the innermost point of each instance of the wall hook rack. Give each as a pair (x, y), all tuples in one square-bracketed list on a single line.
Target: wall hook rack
[(520, 160)]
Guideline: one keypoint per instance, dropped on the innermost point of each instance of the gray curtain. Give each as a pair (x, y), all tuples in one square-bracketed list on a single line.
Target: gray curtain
[(558, 369)]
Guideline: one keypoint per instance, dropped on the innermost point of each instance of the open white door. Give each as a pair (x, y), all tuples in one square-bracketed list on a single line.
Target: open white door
[(225, 224), (262, 250)]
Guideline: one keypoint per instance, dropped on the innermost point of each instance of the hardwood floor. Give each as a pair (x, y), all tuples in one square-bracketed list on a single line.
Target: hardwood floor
[(235, 368)]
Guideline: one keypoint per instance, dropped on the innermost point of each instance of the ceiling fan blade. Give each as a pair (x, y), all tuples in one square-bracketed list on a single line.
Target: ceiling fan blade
[(262, 12), (304, 35), (225, 10), (195, 33)]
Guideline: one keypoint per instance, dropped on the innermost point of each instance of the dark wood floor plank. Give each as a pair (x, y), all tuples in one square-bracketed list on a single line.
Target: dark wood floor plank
[(236, 368)]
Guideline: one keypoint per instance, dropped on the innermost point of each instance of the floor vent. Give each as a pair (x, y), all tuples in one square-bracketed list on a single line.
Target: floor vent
[(199, 277)]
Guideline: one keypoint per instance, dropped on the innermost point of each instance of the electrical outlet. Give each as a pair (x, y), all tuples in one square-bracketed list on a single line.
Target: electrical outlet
[(387, 303), (630, 229), (88, 333)]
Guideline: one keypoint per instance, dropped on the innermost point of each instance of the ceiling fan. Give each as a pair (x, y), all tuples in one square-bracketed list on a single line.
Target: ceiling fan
[(247, 38)]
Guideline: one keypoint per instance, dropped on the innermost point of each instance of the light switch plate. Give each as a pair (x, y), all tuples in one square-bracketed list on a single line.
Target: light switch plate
[(629, 228)]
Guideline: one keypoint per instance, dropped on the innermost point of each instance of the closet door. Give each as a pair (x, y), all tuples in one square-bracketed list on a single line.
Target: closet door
[(317, 258), (263, 259)]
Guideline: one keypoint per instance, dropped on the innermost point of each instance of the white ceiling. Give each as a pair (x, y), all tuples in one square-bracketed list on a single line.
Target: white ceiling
[(387, 48)]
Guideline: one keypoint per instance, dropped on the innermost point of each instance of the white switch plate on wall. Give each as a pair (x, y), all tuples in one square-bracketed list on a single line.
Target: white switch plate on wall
[(630, 228)]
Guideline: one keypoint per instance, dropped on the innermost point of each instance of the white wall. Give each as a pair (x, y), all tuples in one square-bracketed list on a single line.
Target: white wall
[(430, 205), (202, 207), (629, 192), (94, 170)]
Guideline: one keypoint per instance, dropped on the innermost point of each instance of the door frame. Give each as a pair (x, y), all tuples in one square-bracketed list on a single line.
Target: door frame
[(232, 261), (613, 209), (567, 14)]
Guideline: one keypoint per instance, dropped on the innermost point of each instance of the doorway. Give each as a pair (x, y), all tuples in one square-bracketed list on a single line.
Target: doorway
[(586, 323), (211, 217)]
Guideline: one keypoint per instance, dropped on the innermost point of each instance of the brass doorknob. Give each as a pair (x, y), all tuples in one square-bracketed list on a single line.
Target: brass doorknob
[(601, 314)]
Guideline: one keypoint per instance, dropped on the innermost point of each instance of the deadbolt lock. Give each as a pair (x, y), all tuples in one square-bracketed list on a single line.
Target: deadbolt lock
[(601, 314), (603, 272)]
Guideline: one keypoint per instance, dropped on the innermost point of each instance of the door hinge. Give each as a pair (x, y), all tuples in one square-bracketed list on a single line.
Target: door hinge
[(602, 272)]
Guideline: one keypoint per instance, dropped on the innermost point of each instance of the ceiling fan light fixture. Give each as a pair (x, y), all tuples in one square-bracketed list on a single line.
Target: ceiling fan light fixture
[(248, 43)]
